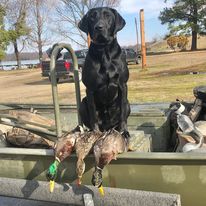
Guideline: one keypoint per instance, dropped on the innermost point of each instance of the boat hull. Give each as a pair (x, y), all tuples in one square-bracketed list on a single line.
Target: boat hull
[(179, 173), (183, 174)]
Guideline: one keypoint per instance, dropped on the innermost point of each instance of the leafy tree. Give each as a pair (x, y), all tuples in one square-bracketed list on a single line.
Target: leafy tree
[(16, 18), (172, 42), (186, 17), (177, 41), (182, 42), (4, 35)]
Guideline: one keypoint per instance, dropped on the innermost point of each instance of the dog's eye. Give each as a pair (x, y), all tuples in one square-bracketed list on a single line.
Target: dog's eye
[(106, 15), (93, 15)]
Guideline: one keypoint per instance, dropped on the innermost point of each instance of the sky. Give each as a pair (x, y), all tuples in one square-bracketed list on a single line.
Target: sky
[(129, 9)]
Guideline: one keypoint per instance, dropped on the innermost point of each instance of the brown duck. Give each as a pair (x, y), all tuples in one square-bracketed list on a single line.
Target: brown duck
[(106, 149), (83, 146), (77, 140)]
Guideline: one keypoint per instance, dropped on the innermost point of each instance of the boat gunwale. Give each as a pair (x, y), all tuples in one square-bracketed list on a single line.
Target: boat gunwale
[(160, 105), (126, 155)]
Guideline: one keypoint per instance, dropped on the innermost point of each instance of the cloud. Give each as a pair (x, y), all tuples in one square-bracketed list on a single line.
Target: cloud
[(151, 7)]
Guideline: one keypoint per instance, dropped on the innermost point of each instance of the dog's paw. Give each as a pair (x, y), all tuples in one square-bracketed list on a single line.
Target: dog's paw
[(125, 134), (78, 128)]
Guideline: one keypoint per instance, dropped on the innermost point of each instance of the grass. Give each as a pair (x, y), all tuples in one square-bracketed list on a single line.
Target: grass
[(167, 77)]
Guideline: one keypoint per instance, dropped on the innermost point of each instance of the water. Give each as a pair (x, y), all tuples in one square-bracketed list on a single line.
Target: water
[(9, 65)]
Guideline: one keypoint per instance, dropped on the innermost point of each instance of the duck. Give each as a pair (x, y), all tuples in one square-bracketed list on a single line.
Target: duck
[(83, 146), (106, 149), (63, 148)]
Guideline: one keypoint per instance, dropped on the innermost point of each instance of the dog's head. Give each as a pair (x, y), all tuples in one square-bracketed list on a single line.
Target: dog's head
[(102, 24)]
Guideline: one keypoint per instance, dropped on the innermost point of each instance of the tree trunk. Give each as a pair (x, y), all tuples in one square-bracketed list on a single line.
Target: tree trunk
[(39, 30), (194, 41), (194, 27), (40, 51), (17, 54)]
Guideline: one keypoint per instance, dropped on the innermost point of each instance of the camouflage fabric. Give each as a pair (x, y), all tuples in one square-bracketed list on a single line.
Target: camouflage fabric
[(23, 138)]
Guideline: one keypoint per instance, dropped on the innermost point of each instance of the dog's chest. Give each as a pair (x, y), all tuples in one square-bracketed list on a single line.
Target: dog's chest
[(98, 74), (107, 84), (102, 75)]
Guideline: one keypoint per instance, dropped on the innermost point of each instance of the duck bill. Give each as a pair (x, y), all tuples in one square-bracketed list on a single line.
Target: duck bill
[(101, 190), (79, 181), (51, 186)]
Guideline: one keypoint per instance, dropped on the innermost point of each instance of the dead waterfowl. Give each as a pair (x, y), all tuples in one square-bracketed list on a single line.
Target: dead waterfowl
[(106, 146), (76, 140), (83, 146), (106, 149), (63, 149)]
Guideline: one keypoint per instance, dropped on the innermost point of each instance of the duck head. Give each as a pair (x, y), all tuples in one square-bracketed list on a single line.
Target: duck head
[(97, 177), (52, 171)]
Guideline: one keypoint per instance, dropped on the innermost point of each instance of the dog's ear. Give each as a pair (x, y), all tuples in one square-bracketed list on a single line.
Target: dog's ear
[(83, 24), (119, 21)]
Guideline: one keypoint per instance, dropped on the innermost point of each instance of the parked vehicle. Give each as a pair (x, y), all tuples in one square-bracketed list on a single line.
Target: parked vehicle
[(81, 55), (131, 55), (64, 65)]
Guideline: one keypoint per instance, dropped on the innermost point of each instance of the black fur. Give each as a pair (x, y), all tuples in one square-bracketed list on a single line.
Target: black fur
[(105, 73)]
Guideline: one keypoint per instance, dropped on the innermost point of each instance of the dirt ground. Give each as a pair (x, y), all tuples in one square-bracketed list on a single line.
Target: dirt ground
[(27, 86)]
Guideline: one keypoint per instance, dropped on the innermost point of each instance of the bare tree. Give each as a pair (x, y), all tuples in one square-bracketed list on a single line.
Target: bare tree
[(39, 23), (69, 13), (16, 19)]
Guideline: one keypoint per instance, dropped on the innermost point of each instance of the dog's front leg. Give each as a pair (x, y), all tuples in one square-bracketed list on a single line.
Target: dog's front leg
[(92, 110), (125, 110)]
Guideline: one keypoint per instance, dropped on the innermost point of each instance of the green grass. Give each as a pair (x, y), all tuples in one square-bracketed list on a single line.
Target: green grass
[(161, 85), (166, 78)]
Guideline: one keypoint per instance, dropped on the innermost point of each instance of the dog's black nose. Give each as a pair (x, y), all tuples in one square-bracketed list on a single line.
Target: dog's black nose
[(99, 27)]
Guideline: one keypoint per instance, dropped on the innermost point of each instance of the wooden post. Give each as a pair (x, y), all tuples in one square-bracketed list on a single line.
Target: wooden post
[(143, 46), (137, 35), (88, 40)]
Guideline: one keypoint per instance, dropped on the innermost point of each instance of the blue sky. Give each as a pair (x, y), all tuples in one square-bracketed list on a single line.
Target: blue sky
[(129, 9)]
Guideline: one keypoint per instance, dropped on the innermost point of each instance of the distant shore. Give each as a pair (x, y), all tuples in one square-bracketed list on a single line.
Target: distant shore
[(9, 65)]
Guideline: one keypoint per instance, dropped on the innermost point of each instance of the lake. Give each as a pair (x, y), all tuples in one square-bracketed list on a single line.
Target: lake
[(9, 65)]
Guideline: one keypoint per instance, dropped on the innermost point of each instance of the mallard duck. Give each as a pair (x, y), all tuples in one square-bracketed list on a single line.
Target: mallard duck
[(63, 149), (83, 146), (106, 149)]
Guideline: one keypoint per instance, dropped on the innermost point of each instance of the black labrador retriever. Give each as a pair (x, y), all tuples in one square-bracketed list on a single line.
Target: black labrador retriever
[(105, 73)]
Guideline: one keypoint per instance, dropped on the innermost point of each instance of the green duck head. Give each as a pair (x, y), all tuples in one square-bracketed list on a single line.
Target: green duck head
[(52, 171)]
